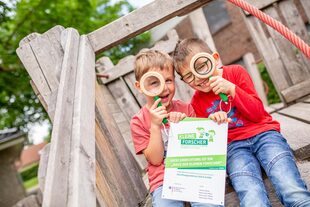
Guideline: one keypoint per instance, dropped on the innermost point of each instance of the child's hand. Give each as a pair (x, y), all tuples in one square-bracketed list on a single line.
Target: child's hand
[(175, 117), (221, 85), (158, 113), (220, 117)]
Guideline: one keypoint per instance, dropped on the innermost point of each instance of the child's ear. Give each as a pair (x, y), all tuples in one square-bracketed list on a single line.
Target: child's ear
[(137, 86)]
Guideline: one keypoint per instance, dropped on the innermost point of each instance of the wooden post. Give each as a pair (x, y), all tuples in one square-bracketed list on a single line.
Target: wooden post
[(252, 69), (73, 142)]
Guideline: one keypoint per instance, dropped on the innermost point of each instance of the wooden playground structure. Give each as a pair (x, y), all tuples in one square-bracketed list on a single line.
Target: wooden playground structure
[(90, 160)]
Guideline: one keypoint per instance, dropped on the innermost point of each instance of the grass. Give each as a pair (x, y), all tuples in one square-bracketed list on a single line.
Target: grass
[(31, 183)]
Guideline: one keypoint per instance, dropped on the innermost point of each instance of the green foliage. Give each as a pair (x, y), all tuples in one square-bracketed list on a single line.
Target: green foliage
[(30, 172), (272, 95), (18, 18)]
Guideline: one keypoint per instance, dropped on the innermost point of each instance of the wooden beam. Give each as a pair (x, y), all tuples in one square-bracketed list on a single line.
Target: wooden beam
[(82, 161), (261, 3), (126, 65), (56, 190), (140, 21)]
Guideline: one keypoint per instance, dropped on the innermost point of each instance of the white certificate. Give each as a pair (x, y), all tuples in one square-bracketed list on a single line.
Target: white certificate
[(195, 164)]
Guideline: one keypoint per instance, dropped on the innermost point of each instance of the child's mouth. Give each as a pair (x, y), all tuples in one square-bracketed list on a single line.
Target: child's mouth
[(164, 98)]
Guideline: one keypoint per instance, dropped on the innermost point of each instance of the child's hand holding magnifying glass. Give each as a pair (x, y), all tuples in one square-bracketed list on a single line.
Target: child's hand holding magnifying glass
[(152, 84)]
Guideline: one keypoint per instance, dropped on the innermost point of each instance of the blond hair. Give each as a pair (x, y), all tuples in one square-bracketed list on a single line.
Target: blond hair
[(149, 59), (186, 47)]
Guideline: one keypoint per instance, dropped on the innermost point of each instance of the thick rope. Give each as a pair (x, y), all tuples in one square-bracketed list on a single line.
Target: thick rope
[(299, 43)]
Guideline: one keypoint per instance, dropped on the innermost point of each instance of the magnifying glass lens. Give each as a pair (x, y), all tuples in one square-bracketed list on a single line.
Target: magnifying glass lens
[(203, 65), (152, 84)]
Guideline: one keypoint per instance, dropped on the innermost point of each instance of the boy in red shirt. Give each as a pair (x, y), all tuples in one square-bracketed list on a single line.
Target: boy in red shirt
[(149, 135), (254, 138)]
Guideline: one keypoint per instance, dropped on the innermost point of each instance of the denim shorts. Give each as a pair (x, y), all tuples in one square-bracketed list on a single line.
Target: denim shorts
[(270, 151)]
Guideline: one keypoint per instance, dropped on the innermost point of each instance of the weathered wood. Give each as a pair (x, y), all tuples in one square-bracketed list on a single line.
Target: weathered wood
[(306, 5), (296, 91), (261, 3), (299, 111), (43, 166), (30, 201), (29, 61), (126, 65), (270, 55), (139, 21), (201, 27), (37, 93), (296, 70), (297, 136), (57, 187), (130, 80), (82, 159), (135, 185), (296, 24), (252, 69), (54, 36)]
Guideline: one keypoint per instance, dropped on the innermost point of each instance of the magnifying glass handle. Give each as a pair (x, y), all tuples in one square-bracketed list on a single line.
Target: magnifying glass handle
[(223, 97), (165, 120)]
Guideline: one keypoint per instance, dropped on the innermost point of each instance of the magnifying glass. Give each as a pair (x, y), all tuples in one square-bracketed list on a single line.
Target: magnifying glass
[(152, 84), (202, 65)]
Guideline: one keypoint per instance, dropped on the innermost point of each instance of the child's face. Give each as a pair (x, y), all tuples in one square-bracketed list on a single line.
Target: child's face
[(200, 84), (169, 90)]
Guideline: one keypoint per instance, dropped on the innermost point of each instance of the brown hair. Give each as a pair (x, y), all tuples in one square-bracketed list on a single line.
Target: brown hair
[(148, 59), (185, 47)]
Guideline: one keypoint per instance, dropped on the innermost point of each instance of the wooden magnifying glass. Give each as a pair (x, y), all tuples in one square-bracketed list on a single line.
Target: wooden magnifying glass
[(152, 84)]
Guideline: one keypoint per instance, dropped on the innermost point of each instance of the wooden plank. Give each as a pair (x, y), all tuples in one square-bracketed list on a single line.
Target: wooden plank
[(296, 91), (261, 3), (43, 166), (299, 111), (296, 24), (126, 65), (37, 93), (122, 122), (136, 187), (296, 133), (110, 184), (130, 80), (82, 160), (296, 70), (306, 5), (140, 21), (270, 55), (253, 70), (54, 36), (44, 53), (27, 57), (57, 179)]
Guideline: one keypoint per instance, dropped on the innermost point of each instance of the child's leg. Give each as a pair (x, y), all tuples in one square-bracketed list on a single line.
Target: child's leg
[(157, 201), (277, 159), (245, 174)]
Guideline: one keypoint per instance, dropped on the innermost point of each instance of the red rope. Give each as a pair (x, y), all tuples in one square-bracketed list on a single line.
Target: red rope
[(299, 43)]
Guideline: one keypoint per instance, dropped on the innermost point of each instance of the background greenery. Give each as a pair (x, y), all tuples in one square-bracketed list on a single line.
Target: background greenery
[(19, 106)]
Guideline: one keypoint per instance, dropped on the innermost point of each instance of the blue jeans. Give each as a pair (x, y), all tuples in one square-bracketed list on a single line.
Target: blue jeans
[(157, 201), (271, 151)]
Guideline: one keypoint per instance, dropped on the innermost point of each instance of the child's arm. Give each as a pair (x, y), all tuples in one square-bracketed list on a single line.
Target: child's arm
[(154, 152)]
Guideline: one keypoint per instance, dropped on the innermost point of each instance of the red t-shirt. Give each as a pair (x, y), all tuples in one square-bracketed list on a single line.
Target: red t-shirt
[(140, 132), (247, 112)]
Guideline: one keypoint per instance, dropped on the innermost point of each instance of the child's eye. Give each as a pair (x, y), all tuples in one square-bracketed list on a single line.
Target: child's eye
[(168, 81)]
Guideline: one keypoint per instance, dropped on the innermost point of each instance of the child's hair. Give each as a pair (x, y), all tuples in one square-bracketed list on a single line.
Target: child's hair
[(148, 59), (185, 47)]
